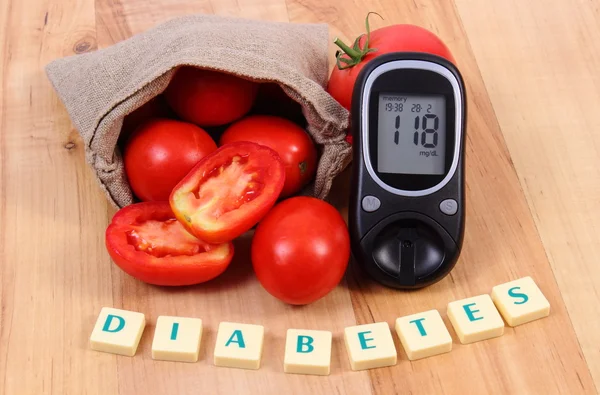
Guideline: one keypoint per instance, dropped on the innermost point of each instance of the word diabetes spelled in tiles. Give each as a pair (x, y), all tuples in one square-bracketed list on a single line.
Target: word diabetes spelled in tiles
[(309, 351)]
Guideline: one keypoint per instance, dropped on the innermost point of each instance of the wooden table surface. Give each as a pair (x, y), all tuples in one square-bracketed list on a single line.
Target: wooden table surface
[(533, 208)]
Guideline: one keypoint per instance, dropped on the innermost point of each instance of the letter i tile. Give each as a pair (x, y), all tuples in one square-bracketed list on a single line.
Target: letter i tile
[(177, 339)]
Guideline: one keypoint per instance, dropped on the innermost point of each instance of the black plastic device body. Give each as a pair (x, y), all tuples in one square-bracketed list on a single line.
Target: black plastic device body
[(407, 229)]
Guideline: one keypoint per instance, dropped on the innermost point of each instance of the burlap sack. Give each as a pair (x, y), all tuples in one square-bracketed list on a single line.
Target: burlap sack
[(99, 89)]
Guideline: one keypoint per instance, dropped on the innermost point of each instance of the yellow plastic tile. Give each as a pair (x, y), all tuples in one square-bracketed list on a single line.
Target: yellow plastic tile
[(117, 331), (307, 352), (520, 301), (475, 319), (423, 335), (177, 339), (239, 345), (370, 346)]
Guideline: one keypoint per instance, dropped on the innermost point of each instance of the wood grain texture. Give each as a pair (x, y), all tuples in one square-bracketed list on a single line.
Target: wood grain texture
[(542, 78), (50, 279), (56, 275)]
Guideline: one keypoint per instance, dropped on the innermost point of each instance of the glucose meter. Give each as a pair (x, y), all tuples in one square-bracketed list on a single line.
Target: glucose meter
[(407, 205)]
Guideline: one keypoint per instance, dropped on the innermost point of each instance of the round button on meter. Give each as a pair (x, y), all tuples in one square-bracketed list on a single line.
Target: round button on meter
[(406, 213), (449, 206), (370, 203)]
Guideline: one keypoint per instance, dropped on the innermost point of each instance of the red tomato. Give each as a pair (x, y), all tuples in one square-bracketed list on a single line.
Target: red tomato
[(148, 243), (395, 38), (160, 153), (300, 250), (291, 142), (210, 98), (228, 191)]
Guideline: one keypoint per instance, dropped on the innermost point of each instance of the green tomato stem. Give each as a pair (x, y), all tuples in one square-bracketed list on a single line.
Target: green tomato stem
[(352, 56), (351, 53)]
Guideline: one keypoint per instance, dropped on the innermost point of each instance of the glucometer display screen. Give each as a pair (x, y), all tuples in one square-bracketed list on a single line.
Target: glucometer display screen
[(411, 134)]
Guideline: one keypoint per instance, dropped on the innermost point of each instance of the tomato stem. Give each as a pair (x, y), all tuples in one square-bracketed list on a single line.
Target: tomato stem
[(351, 56), (303, 166), (346, 49)]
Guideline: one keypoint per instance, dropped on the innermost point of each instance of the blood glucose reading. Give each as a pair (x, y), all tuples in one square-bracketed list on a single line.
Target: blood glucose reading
[(411, 135)]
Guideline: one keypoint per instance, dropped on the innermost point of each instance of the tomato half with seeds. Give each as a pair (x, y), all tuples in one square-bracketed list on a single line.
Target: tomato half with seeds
[(228, 191), (148, 243)]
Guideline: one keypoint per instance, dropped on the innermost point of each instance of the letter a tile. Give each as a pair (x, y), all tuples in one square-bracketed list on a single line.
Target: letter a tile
[(239, 345)]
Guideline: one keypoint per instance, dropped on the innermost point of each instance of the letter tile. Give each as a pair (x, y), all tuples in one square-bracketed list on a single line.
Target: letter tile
[(370, 346), (177, 339), (239, 345), (117, 331), (307, 352), (423, 335), (520, 301), (475, 319)]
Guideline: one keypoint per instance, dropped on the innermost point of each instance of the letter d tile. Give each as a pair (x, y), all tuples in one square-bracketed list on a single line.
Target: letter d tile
[(117, 331)]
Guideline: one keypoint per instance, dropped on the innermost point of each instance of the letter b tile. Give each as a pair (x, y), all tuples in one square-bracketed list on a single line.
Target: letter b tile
[(307, 352)]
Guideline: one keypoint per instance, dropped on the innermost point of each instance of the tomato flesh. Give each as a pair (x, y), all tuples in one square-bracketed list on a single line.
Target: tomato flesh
[(229, 191), (227, 188), (166, 238), (148, 243)]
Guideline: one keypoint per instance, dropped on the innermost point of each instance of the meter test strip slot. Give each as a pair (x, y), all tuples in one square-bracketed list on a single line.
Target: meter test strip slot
[(406, 214)]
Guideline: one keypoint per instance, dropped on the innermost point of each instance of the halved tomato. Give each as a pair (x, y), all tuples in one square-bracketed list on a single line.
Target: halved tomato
[(228, 191), (148, 243)]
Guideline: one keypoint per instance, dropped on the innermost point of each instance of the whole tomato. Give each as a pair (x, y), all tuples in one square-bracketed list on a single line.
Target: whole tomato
[(160, 153), (300, 250), (292, 143), (210, 98), (395, 38)]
